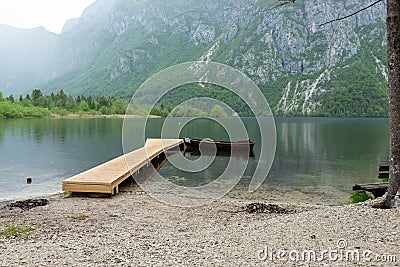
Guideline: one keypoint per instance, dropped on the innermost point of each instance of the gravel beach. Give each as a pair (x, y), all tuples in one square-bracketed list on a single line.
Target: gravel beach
[(137, 230)]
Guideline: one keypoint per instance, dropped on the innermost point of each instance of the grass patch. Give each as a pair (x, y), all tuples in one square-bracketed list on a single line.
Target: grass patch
[(359, 196), (80, 217), (15, 231)]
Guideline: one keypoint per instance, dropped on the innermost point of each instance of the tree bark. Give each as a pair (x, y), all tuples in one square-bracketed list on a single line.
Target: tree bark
[(393, 26), (393, 43)]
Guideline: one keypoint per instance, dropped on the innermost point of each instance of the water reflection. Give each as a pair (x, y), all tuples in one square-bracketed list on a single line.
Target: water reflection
[(2, 129), (50, 150), (316, 159)]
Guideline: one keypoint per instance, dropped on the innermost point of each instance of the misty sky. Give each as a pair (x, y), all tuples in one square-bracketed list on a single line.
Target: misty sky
[(52, 14)]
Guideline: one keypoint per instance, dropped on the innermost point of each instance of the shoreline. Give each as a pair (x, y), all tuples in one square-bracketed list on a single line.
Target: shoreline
[(90, 116), (121, 116), (135, 229), (280, 195)]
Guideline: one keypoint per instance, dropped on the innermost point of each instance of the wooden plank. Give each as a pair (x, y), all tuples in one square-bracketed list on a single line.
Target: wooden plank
[(370, 186), (383, 175), (384, 168), (377, 189), (107, 176), (88, 188)]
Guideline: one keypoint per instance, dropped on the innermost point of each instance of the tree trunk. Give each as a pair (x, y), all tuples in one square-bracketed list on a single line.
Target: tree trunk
[(393, 26), (393, 42)]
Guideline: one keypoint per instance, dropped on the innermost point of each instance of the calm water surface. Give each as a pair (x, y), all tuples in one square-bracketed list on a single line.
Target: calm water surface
[(317, 159)]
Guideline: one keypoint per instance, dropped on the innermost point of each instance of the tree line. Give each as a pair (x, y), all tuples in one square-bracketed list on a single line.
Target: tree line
[(37, 104)]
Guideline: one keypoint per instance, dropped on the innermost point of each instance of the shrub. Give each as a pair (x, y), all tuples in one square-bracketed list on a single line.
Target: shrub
[(359, 196)]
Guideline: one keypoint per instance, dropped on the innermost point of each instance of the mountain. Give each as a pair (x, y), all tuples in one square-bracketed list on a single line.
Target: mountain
[(338, 69), (27, 58)]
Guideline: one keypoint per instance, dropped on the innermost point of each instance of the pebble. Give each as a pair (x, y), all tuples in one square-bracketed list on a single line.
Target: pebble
[(144, 232)]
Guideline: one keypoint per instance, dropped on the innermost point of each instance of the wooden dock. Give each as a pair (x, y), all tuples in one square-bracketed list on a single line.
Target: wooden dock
[(106, 178), (377, 189)]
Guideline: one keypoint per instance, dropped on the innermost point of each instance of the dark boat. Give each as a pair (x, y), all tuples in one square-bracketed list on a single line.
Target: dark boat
[(193, 144), (224, 153)]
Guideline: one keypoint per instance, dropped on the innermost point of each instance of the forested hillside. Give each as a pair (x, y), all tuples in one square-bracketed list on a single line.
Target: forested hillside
[(301, 67)]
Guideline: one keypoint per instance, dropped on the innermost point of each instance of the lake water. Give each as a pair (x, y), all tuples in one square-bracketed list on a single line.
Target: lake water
[(317, 159)]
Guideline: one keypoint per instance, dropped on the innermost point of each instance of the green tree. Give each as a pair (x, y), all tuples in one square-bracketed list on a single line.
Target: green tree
[(218, 112), (10, 98), (92, 104), (103, 102), (119, 106), (53, 97), (83, 105), (36, 94), (26, 102), (61, 99), (41, 102), (71, 104)]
